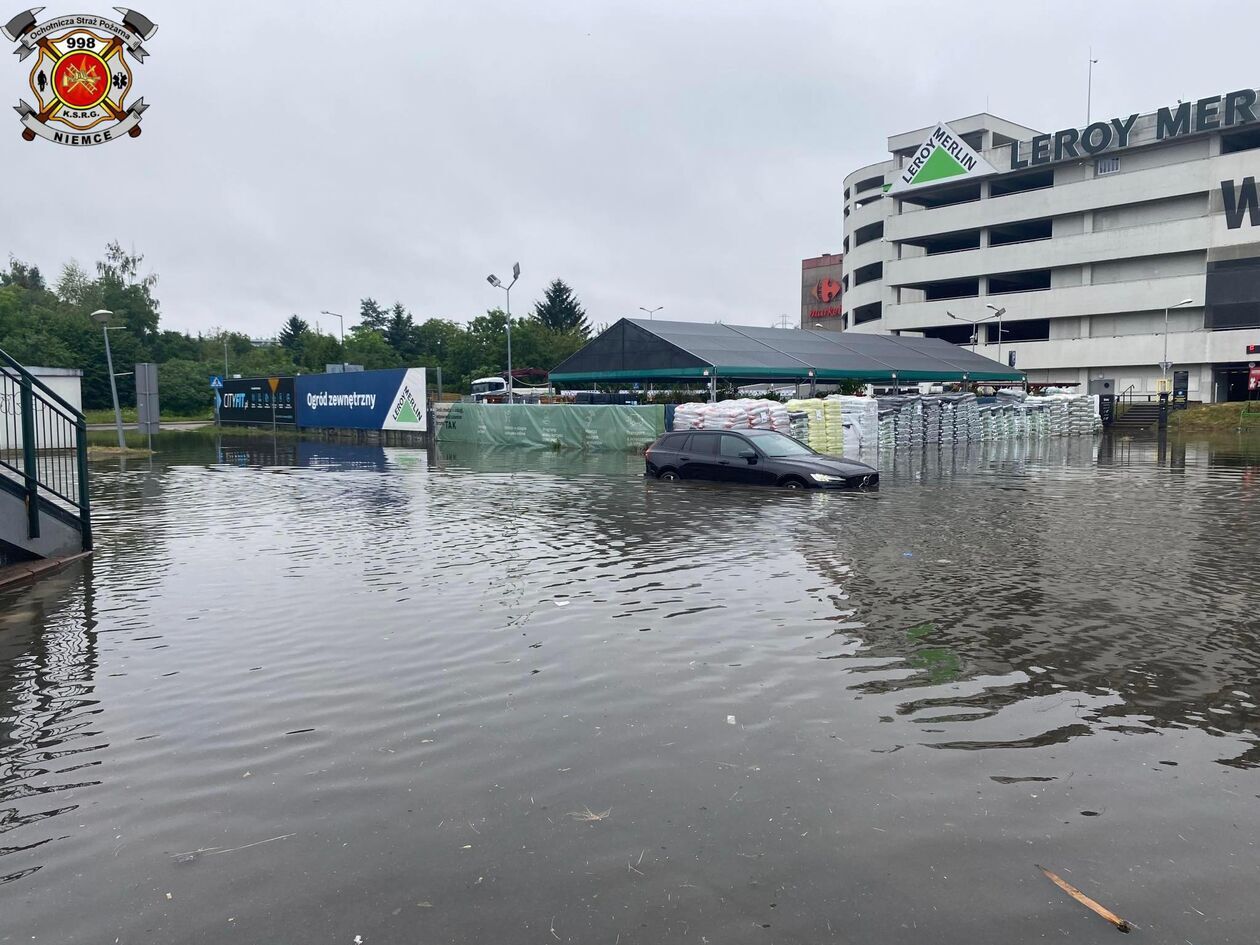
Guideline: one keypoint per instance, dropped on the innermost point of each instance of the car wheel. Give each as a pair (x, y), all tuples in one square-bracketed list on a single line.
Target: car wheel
[(668, 476), (793, 484)]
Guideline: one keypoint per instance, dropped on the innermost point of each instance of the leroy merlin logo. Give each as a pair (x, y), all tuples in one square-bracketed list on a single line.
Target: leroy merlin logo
[(942, 157), (405, 410)]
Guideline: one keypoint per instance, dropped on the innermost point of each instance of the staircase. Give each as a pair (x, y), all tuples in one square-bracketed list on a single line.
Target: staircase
[(44, 509), (1138, 415)]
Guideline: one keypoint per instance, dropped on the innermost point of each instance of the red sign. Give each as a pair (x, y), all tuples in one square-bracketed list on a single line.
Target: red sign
[(1253, 381), (831, 311), (827, 290)]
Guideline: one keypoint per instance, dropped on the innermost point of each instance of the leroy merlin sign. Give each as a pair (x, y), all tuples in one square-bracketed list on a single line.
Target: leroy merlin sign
[(943, 156), (363, 400)]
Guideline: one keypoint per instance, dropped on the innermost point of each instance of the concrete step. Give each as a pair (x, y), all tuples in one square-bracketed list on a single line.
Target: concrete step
[(59, 531)]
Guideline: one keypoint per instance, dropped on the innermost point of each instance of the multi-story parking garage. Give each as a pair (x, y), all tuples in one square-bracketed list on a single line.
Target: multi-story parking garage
[(1106, 245)]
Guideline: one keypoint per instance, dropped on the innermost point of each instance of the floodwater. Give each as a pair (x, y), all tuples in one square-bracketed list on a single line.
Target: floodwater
[(325, 694)]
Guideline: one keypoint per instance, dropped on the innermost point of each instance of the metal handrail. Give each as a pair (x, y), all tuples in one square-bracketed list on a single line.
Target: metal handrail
[(48, 392), (52, 434), (1125, 400)]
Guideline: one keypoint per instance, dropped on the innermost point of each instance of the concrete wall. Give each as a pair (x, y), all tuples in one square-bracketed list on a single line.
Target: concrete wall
[(51, 433)]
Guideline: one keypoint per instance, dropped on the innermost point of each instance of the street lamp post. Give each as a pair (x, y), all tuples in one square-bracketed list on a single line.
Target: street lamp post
[(998, 312), (439, 370), (975, 325), (1164, 365), (651, 311), (498, 284), (343, 337), (102, 317)]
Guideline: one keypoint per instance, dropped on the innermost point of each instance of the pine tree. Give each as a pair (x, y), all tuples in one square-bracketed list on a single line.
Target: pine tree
[(293, 332), (560, 310), (400, 331), (372, 315)]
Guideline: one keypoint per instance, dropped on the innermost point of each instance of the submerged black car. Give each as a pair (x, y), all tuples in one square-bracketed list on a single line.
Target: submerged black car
[(753, 457)]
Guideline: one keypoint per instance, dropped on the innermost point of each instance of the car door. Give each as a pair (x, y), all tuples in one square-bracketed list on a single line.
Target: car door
[(733, 467), (699, 458)]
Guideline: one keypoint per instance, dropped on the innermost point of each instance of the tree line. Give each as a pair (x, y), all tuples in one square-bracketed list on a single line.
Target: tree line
[(48, 324)]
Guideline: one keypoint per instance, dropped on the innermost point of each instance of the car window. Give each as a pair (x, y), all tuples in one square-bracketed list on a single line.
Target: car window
[(672, 441), (732, 446), (703, 444), (776, 445)]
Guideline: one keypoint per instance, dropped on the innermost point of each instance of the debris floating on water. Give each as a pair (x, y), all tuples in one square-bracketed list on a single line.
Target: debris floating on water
[(588, 816), (1084, 900)]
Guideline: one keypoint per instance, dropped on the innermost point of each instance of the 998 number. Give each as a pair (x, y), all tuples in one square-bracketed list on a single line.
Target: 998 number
[(81, 42)]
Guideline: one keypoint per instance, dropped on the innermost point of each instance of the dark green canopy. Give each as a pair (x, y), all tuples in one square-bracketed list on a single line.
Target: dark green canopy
[(640, 350)]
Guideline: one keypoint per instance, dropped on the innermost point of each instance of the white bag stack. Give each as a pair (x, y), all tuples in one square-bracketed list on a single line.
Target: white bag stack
[(737, 415), (1081, 415), (689, 417), (861, 423)]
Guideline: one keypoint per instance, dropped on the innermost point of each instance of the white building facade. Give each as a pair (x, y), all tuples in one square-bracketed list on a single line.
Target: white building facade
[(1092, 240)]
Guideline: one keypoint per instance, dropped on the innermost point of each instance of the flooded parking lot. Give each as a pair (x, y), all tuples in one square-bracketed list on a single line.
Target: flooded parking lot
[(318, 693)]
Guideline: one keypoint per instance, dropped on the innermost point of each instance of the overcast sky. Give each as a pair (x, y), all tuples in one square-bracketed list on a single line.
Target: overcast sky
[(684, 153)]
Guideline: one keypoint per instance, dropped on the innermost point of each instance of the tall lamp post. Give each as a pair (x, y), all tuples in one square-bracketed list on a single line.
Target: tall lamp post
[(998, 313), (498, 284), (1165, 364), (343, 337), (651, 311), (102, 316), (974, 323)]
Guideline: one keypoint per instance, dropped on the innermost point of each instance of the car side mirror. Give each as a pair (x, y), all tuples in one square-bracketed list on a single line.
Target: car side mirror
[(750, 455)]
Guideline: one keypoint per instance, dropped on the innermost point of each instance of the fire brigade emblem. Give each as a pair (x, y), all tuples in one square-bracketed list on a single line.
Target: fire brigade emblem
[(80, 79)]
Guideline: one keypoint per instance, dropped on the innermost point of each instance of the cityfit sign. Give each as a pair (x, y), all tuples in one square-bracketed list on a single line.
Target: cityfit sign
[(252, 401), (942, 157), (363, 400), (1207, 114)]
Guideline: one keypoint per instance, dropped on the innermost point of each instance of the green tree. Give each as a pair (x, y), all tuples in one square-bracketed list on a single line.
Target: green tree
[(369, 348), (372, 316), (77, 288), (293, 335), (184, 387), (22, 275), (319, 351), (266, 361), (127, 293), (560, 310), (400, 332)]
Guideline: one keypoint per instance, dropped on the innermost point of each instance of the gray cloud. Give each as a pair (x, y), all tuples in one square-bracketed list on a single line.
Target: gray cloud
[(298, 156)]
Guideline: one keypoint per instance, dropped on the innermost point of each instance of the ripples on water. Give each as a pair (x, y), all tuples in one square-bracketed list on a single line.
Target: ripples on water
[(307, 692)]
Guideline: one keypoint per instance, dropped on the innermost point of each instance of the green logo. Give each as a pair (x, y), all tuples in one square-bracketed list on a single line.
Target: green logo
[(940, 165), (943, 156), (406, 410)]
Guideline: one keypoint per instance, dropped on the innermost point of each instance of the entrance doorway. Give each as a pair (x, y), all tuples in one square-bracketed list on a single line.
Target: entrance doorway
[(1229, 382)]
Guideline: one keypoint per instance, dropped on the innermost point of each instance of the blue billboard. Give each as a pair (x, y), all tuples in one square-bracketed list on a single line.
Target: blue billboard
[(249, 401), (363, 400)]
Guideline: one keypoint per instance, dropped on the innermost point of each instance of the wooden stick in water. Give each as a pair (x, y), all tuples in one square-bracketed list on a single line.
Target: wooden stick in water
[(1084, 900)]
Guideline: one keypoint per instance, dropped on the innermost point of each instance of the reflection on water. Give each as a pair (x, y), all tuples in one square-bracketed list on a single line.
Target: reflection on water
[(311, 691)]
